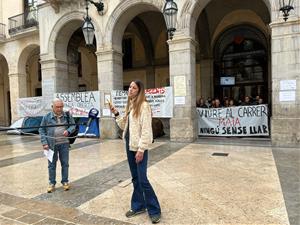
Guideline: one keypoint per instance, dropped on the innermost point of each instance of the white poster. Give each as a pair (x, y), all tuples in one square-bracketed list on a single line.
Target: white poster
[(287, 96), (34, 106), (286, 85), (179, 86), (160, 100), (119, 100), (80, 103), (179, 100), (234, 121)]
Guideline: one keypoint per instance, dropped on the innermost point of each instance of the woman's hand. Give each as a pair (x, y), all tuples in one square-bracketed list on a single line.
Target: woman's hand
[(112, 109), (139, 156)]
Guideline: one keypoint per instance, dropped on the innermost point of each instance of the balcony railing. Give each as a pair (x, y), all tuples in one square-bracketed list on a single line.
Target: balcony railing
[(22, 21), (2, 31)]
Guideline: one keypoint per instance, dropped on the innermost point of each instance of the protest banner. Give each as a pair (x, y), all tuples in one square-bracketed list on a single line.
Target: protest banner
[(160, 100), (80, 103), (33, 106), (119, 100), (233, 121)]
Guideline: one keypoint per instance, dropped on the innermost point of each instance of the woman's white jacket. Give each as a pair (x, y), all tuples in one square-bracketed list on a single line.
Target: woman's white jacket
[(140, 128)]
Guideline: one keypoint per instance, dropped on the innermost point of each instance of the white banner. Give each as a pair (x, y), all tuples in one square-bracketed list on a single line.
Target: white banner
[(119, 100), (34, 106), (80, 103), (234, 121), (160, 100)]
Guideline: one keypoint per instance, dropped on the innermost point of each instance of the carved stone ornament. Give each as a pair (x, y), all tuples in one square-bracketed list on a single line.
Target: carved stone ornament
[(56, 4)]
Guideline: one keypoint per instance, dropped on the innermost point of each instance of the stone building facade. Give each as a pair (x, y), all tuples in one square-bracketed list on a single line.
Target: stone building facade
[(43, 52)]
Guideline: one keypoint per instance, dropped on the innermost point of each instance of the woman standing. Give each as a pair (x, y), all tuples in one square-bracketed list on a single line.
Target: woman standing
[(137, 127)]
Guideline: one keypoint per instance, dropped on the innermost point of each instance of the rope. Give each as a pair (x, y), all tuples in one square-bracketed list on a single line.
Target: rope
[(50, 137)]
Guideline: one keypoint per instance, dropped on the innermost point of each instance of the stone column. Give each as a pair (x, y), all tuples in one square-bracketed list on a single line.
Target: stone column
[(285, 120), (183, 125), (54, 77), (18, 89), (110, 77)]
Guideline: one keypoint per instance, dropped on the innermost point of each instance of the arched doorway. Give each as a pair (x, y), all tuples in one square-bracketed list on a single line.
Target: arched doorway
[(5, 110), (241, 64), (29, 66), (68, 54), (33, 74), (82, 64), (145, 51), (146, 57), (221, 24)]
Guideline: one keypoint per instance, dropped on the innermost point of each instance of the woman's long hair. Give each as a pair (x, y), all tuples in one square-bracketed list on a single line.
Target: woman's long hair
[(136, 103)]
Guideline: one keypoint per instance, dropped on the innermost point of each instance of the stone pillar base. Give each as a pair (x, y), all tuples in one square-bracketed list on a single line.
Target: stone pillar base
[(285, 132), (183, 130), (108, 128)]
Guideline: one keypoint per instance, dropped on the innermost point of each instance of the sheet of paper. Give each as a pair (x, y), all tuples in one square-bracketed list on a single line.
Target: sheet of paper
[(179, 100), (49, 154), (287, 96), (288, 85), (179, 86)]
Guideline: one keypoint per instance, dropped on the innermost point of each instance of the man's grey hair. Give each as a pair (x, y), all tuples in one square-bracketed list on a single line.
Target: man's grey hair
[(56, 100)]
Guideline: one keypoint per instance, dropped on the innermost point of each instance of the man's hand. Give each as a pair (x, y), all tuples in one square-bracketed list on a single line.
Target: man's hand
[(46, 147), (66, 133), (139, 156)]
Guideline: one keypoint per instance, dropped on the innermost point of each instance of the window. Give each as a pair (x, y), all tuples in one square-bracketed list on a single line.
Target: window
[(241, 54), (30, 13), (30, 5), (82, 88), (79, 63), (244, 60), (38, 92), (39, 71)]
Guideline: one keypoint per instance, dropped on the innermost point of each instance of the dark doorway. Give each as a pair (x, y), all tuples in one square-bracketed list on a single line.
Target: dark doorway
[(241, 64), (9, 108)]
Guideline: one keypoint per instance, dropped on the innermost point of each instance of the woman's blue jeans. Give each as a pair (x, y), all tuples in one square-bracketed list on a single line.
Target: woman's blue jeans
[(61, 151), (143, 196)]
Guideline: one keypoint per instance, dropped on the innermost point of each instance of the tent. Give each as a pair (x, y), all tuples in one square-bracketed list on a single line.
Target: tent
[(93, 130), (26, 122)]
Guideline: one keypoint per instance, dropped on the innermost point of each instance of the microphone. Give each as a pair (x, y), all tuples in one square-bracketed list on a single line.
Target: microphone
[(93, 113)]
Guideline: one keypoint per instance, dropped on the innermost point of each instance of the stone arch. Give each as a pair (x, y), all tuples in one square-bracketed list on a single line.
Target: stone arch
[(192, 9), (225, 38), (24, 55), (28, 65), (241, 52), (62, 32), (236, 18), (121, 17), (5, 116)]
